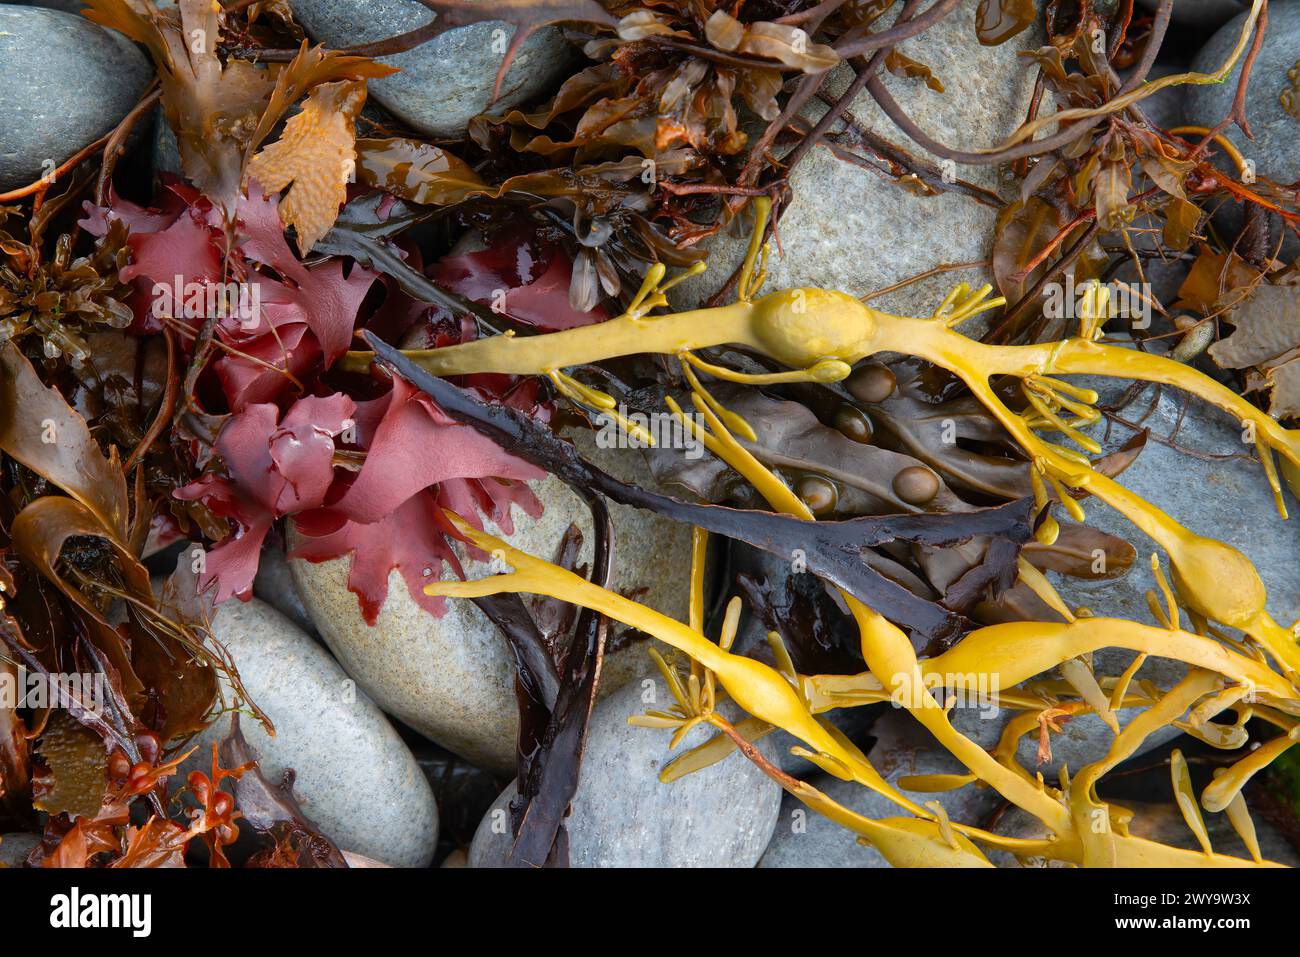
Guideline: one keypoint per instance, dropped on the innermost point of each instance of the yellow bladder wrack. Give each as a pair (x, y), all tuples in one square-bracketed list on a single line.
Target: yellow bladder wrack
[(818, 334)]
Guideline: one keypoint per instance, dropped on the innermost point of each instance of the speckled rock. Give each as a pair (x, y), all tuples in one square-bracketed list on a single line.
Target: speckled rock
[(355, 777), (623, 816), (15, 847), (858, 230), (274, 584), (804, 838), (66, 82), (447, 81), (1275, 149), (1162, 823), (452, 678), (1201, 13)]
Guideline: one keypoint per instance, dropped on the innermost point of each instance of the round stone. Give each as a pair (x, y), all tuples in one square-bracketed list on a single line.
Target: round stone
[(1272, 106), (903, 748), (448, 80), (1164, 108), (452, 678), (624, 816), (356, 778), (66, 83)]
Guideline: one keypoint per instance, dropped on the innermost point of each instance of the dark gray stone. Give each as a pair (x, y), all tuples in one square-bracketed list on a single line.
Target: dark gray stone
[(67, 6), (66, 82), (274, 585), (447, 81)]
